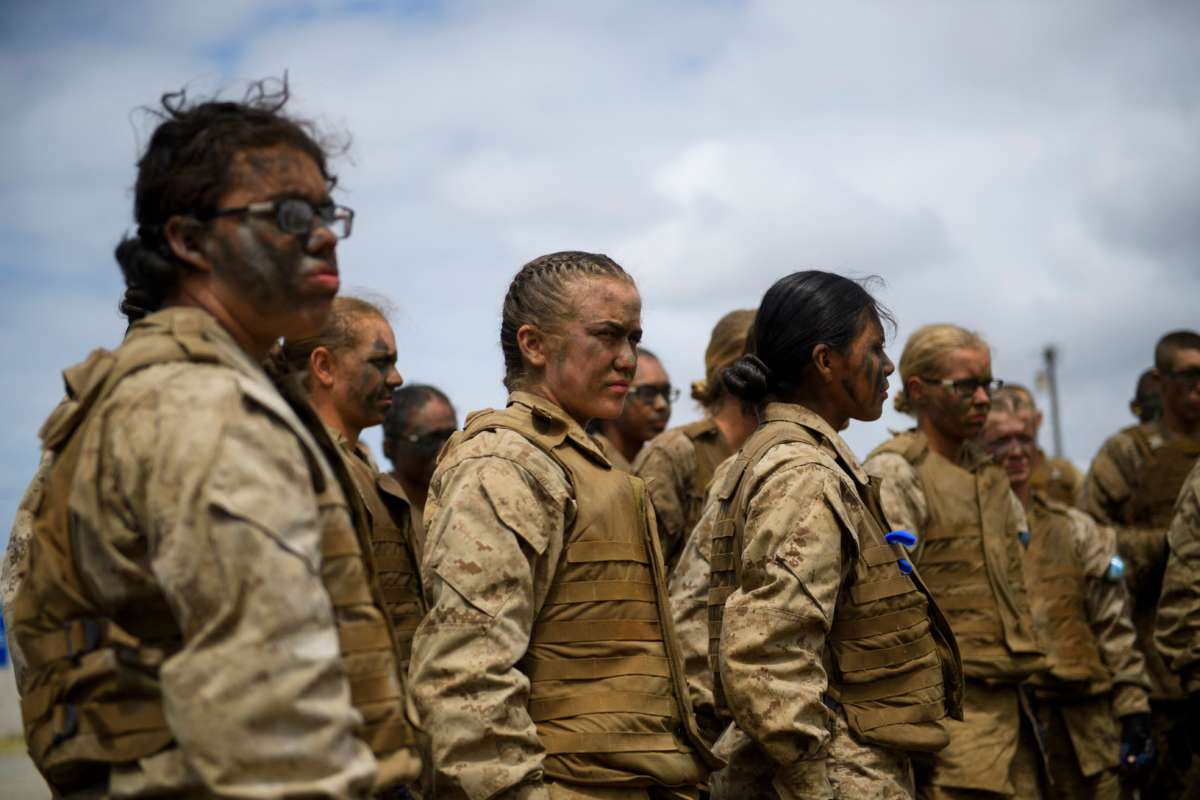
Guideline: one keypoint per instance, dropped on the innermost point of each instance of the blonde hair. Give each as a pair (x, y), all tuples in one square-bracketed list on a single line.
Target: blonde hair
[(924, 352), (725, 346)]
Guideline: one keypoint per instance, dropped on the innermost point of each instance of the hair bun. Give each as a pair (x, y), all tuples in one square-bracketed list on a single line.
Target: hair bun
[(748, 379)]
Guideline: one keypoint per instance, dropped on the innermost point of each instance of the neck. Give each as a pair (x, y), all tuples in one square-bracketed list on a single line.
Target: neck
[(199, 296), (1024, 493), (734, 424), (323, 405), (1178, 426), (947, 447), (626, 446), (417, 492), (824, 407)]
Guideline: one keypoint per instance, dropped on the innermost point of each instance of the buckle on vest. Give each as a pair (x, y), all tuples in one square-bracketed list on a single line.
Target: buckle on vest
[(90, 631), (66, 723)]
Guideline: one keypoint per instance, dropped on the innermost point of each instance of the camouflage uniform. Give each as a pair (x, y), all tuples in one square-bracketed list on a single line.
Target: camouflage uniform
[(16, 555), (993, 750), (688, 590), (1178, 626), (1056, 478), (1082, 696), (501, 517), (792, 640), (192, 492), (677, 466), (1115, 493)]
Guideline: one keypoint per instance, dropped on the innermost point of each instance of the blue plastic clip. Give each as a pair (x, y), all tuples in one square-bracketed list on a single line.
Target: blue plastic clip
[(905, 566), (1116, 569), (1024, 537), (900, 537)]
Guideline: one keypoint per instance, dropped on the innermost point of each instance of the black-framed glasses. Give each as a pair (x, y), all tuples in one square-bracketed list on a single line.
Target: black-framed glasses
[(1191, 376), (647, 392), (966, 387), (296, 216), (1022, 441)]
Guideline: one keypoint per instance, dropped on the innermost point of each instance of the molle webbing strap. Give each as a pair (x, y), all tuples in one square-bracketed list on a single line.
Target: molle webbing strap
[(98, 720), (870, 719), (603, 630), (388, 736), (586, 552), (569, 592), (557, 743), (359, 637), (890, 687), (350, 593), (377, 688), (545, 709), (866, 592), (966, 601), (398, 565), (872, 659), (593, 668), (877, 626)]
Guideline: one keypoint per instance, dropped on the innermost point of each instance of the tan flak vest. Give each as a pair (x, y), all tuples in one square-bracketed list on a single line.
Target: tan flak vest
[(892, 662), (711, 449), (90, 690), (607, 688), (1166, 464), (970, 558), (394, 549), (1058, 602)]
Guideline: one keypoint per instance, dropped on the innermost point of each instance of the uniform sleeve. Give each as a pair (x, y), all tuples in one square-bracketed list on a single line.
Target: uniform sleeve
[(777, 620), (1106, 488), (1177, 632), (494, 537), (688, 593), (1109, 614), (16, 554), (901, 495), (666, 483), (215, 500)]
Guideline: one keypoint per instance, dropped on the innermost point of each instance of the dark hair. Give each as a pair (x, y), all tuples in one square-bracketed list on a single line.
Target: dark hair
[(339, 333), (538, 296), (798, 313), (1172, 343), (185, 170), (406, 401)]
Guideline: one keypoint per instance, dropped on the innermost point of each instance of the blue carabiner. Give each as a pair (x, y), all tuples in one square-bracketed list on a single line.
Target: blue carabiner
[(903, 538)]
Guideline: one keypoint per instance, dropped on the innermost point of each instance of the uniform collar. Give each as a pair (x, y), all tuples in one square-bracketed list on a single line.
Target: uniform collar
[(190, 322), (559, 420), (824, 433)]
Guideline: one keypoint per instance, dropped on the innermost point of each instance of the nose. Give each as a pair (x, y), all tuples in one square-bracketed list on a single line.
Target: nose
[(627, 357), (981, 397), (320, 238), (394, 379), (660, 402), (888, 366)]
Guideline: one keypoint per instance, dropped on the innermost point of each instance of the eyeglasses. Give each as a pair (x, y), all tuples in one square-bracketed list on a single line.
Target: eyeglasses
[(1022, 442), (1190, 376), (296, 216), (430, 440), (647, 392), (966, 387)]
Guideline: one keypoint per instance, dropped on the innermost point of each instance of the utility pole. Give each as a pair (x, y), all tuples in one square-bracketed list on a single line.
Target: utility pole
[(1050, 355)]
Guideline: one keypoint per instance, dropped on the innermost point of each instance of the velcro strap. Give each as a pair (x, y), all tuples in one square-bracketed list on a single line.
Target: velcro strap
[(952, 550), (586, 591), (356, 638), (869, 591), (577, 705), (592, 668), (609, 743), (878, 554), (717, 595), (869, 719), (885, 656), (587, 552), (884, 623), (966, 601), (375, 688), (723, 562), (394, 564), (605, 630), (890, 687), (353, 592)]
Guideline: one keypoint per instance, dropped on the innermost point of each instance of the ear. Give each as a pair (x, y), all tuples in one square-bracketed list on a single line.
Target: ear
[(914, 387), (533, 344), (1159, 379), (320, 366), (185, 237), (822, 362)]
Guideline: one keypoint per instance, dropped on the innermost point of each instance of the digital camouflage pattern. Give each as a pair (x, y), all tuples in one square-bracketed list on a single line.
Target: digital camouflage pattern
[(193, 487), (1178, 627), (677, 466), (16, 555)]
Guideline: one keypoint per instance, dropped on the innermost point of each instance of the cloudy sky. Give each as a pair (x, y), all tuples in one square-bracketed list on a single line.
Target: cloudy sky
[(1027, 169)]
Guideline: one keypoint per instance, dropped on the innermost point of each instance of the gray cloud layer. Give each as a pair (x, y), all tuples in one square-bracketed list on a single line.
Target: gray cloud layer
[(1027, 169)]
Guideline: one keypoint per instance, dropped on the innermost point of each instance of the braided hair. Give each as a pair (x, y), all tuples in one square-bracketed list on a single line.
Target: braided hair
[(185, 170), (539, 296)]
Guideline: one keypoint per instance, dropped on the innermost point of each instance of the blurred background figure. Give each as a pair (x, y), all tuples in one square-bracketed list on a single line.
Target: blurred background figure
[(419, 422), (678, 464), (1147, 404), (1133, 484), (1055, 477), (1096, 677), (645, 415)]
